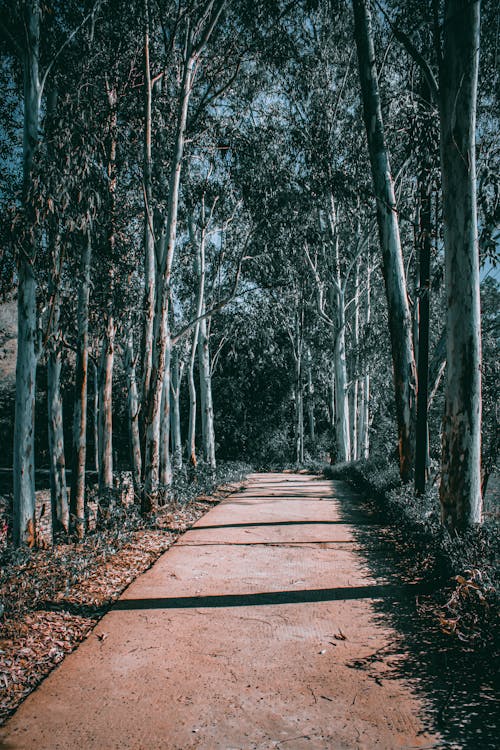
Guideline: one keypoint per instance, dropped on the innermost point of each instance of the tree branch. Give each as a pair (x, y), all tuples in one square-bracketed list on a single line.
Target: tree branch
[(216, 308), (414, 53), (65, 44)]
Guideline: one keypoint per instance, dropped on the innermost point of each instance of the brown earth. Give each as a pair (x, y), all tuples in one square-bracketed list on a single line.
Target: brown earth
[(258, 629)]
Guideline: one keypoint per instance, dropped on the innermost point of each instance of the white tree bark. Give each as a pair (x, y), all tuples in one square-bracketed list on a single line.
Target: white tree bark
[(175, 409), (342, 426), (165, 461), (341, 396), (191, 441), (162, 333), (206, 401), (364, 409), (24, 443), (460, 489), (400, 323), (310, 397), (354, 392), (133, 408), (299, 386)]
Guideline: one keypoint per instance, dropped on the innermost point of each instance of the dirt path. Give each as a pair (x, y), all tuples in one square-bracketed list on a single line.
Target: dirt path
[(257, 630)]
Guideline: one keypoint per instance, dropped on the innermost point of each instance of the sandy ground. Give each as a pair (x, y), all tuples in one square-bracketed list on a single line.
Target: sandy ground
[(246, 635)]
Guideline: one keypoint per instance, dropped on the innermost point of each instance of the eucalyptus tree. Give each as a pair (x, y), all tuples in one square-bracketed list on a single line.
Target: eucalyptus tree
[(456, 34), (320, 91), (198, 25), (460, 488), (25, 27), (390, 241)]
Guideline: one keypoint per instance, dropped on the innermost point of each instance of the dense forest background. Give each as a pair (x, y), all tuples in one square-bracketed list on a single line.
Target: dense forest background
[(247, 231)]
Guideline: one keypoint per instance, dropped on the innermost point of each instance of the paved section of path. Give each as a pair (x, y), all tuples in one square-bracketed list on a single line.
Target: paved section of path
[(246, 635)]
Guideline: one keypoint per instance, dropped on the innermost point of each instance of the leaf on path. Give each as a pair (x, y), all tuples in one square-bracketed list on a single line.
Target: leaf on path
[(340, 636)]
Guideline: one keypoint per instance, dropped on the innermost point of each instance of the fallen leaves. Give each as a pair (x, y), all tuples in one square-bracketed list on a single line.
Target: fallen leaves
[(37, 643), (464, 609), (54, 598)]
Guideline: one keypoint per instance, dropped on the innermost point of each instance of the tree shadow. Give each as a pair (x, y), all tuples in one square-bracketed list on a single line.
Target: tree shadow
[(270, 598), (458, 685)]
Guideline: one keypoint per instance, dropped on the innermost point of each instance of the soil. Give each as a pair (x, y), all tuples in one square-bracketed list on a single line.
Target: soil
[(258, 629)]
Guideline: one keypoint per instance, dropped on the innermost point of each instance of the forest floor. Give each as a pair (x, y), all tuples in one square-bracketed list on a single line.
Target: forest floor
[(280, 620), (51, 599)]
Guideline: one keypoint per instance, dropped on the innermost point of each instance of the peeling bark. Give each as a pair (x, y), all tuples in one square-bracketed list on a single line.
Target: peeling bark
[(460, 489)]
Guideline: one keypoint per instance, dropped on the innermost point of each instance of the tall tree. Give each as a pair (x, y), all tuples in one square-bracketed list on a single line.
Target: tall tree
[(24, 447), (388, 225), (460, 489)]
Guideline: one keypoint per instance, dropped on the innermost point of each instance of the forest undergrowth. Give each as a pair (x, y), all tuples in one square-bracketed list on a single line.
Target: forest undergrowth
[(462, 571), (51, 599)]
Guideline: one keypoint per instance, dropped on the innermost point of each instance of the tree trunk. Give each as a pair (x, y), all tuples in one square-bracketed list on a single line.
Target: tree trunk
[(437, 367), (175, 411), (206, 402), (24, 439), (310, 397), (58, 490), (165, 462), (108, 345), (400, 324), (77, 501), (106, 406), (162, 334), (57, 462), (354, 392), (133, 410), (199, 268), (95, 421), (332, 397), (149, 241), (364, 409), (424, 243), (24, 445), (299, 405), (342, 427), (460, 489), (191, 441), (341, 396)]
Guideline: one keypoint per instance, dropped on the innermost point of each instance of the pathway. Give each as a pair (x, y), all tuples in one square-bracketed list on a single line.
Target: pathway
[(257, 630)]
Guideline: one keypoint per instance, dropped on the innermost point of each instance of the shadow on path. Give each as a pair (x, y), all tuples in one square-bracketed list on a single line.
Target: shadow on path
[(300, 596), (459, 684)]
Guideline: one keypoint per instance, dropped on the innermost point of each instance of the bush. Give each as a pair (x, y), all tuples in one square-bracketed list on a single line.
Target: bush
[(469, 559)]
